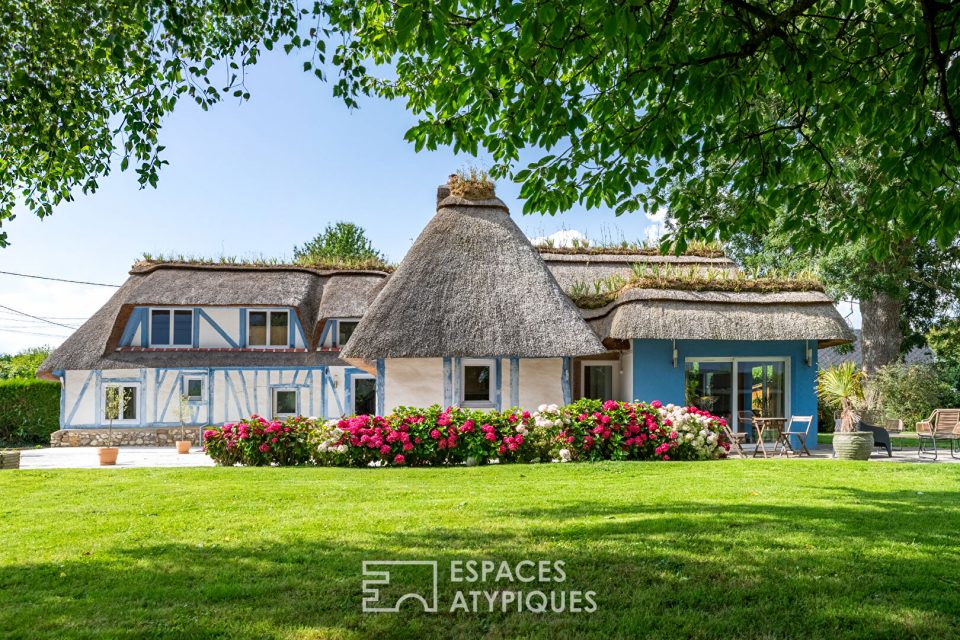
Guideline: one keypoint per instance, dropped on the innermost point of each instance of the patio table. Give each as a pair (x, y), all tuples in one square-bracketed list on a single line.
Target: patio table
[(762, 426)]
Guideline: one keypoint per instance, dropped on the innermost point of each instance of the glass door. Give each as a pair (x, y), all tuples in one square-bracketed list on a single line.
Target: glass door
[(709, 386), (762, 388)]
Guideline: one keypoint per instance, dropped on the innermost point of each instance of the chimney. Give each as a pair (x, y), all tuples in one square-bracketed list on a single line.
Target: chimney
[(443, 191)]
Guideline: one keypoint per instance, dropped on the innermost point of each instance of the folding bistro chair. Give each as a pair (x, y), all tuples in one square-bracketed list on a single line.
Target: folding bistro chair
[(736, 438), (798, 426)]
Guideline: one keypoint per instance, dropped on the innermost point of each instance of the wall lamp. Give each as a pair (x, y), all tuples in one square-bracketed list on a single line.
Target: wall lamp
[(674, 354), (808, 353)]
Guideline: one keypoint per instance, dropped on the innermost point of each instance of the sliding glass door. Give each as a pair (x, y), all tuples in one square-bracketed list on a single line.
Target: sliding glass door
[(737, 389), (709, 386)]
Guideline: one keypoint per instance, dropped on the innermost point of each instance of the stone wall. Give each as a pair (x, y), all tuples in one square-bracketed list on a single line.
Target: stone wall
[(158, 437)]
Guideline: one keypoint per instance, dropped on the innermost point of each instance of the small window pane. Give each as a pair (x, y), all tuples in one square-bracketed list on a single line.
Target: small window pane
[(160, 327), (476, 383), (258, 328), (195, 389), (129, 403), (279, 332), (183, 327), (365, 396), (285, 403), (598, 382), (345, 329)]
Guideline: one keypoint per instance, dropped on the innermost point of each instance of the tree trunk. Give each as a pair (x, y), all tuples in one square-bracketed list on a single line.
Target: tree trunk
[(882, 335)]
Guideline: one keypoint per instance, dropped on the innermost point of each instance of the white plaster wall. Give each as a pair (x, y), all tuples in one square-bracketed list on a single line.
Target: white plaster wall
[(230, 403), (540, 382), (228, 318), (86, 411), (413, 382)]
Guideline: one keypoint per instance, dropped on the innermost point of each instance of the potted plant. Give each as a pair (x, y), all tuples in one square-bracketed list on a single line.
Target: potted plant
[(114, 406), (183, 444), (840, 387)]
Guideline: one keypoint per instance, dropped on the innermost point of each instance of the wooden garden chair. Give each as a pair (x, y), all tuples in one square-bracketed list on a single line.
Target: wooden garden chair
[(943, 424), (798, 426), (736, 438)]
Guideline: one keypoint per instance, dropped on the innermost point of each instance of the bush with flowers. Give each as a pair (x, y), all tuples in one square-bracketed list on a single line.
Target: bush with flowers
[(257, 442), (584, 430), (611, 430)]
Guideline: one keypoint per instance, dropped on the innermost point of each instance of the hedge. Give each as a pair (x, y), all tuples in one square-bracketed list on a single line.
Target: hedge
[(29, 411)]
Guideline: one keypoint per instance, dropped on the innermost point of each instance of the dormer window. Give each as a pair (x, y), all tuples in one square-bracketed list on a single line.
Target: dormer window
[(171, 328), (345, 329), (268, 328)]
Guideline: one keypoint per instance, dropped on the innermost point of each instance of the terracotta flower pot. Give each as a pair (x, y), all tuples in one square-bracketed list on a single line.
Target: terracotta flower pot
[(108, 455), (855, 445), (183, 446)]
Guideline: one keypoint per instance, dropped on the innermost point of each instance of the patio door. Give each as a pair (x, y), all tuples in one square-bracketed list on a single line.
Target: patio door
[(728, 386), (762, 388)]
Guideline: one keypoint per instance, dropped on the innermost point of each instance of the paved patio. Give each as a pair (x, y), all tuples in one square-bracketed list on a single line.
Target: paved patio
[(140, 457), (129, 458)]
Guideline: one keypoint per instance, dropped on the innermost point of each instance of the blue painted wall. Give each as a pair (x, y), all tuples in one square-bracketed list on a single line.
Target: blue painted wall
[(655, 378)]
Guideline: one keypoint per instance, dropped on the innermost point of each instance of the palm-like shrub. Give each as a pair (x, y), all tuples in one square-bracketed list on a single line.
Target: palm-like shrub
[(840, 387)]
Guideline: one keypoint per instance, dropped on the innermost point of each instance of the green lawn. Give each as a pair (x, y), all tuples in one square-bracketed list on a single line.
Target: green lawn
[(727, 549)]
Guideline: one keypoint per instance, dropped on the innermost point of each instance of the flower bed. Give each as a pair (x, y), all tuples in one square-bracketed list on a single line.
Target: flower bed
[(584, 430)]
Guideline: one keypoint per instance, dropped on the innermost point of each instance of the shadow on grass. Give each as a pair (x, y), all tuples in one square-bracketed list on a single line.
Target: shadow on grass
[(876, 564)]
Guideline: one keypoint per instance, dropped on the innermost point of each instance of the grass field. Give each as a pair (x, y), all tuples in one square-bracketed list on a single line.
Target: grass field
[(730, 549)]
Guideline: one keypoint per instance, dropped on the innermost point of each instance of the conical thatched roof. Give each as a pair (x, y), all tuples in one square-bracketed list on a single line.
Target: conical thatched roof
[(666, 314), (472, 285)]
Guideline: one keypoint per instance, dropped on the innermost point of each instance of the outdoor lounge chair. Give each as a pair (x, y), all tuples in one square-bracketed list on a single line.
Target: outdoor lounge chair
[(881, 437), (943, 424), (798, 426)]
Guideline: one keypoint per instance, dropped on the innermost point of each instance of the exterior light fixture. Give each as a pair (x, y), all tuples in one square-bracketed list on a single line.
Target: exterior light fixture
[(674, 354), (808, 355)]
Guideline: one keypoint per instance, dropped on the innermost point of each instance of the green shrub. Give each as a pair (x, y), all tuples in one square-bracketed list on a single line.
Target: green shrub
[(29, 411), (909, 392)]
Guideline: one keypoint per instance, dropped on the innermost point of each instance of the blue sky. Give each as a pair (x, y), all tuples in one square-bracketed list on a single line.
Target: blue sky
[(247, 179)]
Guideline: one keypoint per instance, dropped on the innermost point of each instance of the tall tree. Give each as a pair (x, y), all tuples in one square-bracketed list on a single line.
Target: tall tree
[(620, 101), (340, 242)]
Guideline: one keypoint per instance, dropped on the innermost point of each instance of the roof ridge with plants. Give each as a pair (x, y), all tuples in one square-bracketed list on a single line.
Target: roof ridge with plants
[(645, 276), (150, 261)]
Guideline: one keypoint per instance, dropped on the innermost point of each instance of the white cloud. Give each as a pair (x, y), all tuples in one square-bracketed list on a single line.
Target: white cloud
[(562, 238)]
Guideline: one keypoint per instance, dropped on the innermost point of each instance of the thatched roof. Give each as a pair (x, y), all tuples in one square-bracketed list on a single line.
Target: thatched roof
[(472, 285), (721, 315), (588, 268), (94, 344)]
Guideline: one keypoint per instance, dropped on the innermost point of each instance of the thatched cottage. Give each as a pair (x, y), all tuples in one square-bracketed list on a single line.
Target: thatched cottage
[(474, 316)]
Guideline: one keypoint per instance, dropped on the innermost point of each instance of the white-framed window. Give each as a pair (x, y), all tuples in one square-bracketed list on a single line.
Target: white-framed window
[(345, 329), (478, 383), (285, 402), (194, 388), (598, 379), (171, 328), (363, 394), (268, 328), (121, 402)]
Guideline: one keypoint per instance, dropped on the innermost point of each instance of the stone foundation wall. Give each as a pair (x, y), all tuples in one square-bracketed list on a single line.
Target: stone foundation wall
[(158, 437)]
